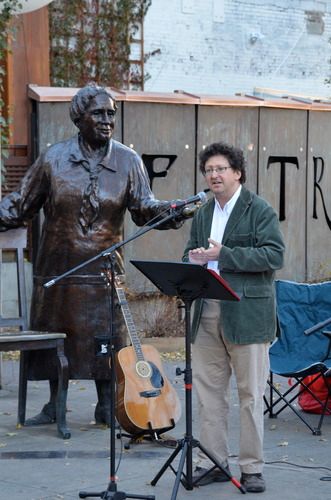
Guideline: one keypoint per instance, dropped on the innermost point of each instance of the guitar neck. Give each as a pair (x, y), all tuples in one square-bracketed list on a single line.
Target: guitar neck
[(135, 341)]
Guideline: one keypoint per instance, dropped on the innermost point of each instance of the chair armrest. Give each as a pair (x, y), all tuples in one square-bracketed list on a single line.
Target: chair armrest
[(318, 326), (30, 335)]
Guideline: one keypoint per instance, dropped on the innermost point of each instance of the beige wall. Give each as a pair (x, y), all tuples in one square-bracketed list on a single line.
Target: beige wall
[(281, 144)]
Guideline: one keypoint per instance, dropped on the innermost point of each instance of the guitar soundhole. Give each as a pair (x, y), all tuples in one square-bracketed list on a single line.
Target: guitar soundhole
[(143, 369), (150, 370)]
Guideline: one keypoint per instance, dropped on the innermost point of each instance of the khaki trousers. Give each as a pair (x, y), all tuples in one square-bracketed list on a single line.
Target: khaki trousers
[(213, 361)]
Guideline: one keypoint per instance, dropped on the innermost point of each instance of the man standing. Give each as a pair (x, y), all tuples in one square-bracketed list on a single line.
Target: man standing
[(84, 186), (237, 234)]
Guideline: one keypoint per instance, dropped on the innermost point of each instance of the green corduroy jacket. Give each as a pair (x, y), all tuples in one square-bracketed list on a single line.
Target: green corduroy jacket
[(253, 249)]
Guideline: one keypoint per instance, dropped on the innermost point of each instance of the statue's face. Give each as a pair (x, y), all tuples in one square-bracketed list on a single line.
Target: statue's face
[(97, 124)]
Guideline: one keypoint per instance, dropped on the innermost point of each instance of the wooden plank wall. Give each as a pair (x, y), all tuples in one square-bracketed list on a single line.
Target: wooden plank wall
[(236, 125), (318, 208), (28, 62), (16, 164), (282, 179), (288, 157), (164, 134)]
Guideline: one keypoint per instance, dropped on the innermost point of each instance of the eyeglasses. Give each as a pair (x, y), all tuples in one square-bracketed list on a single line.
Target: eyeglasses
[(218, 170)]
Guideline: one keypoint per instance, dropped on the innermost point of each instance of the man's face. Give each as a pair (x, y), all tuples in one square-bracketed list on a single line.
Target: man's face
[(96, 125), (221, 179)]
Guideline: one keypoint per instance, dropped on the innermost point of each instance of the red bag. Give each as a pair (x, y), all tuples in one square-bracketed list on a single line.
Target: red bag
[(319, 388)]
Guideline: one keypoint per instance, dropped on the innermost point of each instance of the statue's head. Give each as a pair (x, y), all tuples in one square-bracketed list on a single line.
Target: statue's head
[(93, 111), (81, 101)]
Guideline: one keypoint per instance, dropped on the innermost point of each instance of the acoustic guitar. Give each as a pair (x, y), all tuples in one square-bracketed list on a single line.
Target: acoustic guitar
[(146, 400)]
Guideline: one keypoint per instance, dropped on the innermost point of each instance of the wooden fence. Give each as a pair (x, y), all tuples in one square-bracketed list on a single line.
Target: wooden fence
[(286, 143)]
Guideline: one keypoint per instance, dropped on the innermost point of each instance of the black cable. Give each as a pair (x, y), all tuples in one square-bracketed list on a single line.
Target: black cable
[(323, 478)]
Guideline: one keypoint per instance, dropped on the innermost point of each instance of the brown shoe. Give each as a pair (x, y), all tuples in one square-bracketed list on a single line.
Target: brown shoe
[(210, 476), (253, 483)]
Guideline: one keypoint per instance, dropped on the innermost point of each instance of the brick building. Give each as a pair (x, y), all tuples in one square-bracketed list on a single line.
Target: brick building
[(229, 46)]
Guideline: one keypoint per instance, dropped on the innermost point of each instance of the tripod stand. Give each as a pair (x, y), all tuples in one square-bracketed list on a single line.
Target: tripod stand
[(188, 282)]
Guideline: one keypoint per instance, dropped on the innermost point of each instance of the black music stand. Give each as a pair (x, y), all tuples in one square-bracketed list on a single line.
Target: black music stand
[(188, 282)]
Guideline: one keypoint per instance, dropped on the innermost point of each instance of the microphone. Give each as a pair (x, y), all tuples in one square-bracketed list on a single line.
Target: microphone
[(197, 198)]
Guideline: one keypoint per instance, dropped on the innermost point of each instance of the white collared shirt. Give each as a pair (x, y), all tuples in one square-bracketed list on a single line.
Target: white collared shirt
[(220, 219)]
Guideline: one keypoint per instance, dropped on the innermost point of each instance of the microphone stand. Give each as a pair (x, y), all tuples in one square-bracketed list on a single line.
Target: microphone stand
[(111, 492)]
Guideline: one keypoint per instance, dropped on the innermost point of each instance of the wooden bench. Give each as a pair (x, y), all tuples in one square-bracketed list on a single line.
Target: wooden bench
[(25, 340)]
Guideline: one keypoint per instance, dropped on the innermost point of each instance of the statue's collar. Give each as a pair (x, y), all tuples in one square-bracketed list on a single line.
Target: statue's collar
[(78, 158)]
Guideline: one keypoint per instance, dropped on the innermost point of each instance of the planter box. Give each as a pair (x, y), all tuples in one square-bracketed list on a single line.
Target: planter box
[(165, 344)]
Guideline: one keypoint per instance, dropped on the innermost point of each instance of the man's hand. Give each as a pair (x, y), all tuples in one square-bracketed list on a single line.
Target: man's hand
[(203, 255)]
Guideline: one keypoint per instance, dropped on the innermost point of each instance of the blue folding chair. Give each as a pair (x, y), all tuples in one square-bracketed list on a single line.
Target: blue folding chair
[(302, 348)]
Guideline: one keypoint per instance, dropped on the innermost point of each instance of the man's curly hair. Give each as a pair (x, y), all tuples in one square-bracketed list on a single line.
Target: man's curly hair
[(235, 157)]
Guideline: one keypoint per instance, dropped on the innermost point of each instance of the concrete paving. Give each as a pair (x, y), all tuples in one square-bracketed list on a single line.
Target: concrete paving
[(35, 464)]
